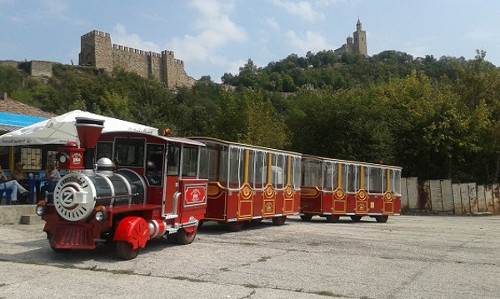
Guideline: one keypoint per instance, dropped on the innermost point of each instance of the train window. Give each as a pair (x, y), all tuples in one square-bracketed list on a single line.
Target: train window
[(376, 180), (352, 178), (260, 170), (251, 167), (296, 167), (328, 170), (395, 181), (366, 178), (104, 150), (208, 163), (236, 167), (311, 174), (189, 161), (277, 171), (129, 152), (173, 159), (222, 175), (154, 164), (204, 162), (343, 181)]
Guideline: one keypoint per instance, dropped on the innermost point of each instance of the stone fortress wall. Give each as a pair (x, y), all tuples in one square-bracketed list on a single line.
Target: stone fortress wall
[(98, 51), (35, 68)]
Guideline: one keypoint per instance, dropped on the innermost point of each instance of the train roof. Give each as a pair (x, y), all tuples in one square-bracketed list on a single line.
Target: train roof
[(243, 145), (350, 162), (166, 138)]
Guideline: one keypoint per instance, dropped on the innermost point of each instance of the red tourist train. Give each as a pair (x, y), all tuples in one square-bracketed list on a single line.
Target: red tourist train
[(333, 188), (249, 183), (128, 187)]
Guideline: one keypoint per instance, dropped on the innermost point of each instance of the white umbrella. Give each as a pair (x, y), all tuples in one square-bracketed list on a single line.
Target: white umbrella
[(61, 129)]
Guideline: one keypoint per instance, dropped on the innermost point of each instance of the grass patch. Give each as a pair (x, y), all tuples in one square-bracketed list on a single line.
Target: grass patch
[(188, 279), (73, 267), (248, 243), (251, 286), (327, 293), (264, 259)]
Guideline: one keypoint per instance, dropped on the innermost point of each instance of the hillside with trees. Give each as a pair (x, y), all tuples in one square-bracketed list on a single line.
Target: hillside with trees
[(437, 118)]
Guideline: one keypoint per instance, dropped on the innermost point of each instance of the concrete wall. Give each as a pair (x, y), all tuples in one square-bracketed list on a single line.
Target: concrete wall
[(443, 196), (13, 214)]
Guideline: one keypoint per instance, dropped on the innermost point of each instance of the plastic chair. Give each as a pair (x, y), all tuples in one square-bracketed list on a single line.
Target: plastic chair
[(4, 192)]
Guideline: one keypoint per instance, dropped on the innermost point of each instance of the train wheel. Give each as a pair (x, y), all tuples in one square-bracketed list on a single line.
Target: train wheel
[(306, 217), (256, 221), (356, 218), (382, 219), (125, 251), (200, 224), (332, 218), (279, 220), (184, 237), (235, 226)]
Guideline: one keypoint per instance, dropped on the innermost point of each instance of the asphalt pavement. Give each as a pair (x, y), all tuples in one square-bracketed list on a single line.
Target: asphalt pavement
[(407, 257)]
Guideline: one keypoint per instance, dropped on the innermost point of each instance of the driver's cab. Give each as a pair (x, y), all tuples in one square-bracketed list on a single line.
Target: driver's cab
[(162, 161)]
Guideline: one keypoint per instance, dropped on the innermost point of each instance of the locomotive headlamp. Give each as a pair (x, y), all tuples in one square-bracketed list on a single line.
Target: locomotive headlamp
[(101, 213), (40, 208)]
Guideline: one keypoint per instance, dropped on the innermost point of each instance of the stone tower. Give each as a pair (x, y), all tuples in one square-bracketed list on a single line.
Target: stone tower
[(359, 35), (96, 50)]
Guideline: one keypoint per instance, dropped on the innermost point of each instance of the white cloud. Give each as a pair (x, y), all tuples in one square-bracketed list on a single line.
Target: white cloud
[(56, 7), (419, 47), (122, 37), (301, 9), (155, 17), (234, 66), (328, 2), (311, 42), (481, 35), (214, 28), (272, 24)]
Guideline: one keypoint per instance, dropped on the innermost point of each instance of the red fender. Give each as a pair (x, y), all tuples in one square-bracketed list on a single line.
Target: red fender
[(134, 230), (190, 229)]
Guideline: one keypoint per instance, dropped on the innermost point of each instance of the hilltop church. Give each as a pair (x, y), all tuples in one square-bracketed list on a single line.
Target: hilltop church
[(355, 44)]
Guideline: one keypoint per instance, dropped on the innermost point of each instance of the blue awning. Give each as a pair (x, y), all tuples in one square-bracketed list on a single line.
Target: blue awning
[(10, 122)]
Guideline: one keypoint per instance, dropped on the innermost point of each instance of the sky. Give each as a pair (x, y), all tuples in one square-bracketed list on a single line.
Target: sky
[(214, 37)]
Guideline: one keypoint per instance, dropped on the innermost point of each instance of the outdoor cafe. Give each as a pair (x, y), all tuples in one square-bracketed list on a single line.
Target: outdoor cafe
[(35, 147)]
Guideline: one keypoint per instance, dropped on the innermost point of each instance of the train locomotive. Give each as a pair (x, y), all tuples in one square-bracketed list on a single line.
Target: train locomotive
[(149, 189), (130, 187)]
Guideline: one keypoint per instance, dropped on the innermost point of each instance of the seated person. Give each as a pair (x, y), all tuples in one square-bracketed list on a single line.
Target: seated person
[(11, 185), (51, 173), (18, 173)]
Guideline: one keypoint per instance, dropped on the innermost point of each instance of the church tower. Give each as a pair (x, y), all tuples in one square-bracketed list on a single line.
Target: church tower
[(360, 40)]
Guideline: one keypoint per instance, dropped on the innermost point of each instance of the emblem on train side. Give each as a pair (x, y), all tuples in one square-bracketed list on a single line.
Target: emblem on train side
[(194, 195), (269, 207)]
